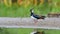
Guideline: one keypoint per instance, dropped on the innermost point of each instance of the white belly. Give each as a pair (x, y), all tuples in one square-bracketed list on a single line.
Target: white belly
[(33, 17), (32, 32)]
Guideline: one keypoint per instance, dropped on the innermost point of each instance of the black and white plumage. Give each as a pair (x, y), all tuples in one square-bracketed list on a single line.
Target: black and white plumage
[(36, 17), (37, 32)]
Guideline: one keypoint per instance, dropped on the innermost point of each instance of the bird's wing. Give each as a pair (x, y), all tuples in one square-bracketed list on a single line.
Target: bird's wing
[(36, 16)]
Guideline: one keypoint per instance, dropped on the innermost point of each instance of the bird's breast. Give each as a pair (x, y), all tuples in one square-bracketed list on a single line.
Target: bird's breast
[(33, 17)]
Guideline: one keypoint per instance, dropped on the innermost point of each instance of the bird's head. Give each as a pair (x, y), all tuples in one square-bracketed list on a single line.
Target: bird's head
[(31, 10)]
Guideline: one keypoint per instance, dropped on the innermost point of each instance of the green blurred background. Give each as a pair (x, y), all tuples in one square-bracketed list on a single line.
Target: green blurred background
[(26, 31), (21, 8)]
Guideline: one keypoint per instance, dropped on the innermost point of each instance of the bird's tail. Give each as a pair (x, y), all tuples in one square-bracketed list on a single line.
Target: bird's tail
[(43, 17)]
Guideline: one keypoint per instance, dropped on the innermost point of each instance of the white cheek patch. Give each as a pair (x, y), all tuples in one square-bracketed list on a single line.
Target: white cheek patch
[(32, 10)]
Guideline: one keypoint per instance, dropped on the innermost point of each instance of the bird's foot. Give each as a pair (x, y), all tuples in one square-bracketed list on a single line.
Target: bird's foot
[(35, 24)]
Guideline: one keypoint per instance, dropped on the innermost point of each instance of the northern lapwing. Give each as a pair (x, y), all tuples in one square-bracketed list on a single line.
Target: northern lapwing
[(36, 17)]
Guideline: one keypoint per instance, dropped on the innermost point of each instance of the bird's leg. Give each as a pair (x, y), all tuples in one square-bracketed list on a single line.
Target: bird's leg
[(35, 22)]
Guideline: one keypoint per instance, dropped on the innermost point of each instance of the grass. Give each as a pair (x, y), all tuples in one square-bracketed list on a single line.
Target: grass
[(21, 11), (27, 31)]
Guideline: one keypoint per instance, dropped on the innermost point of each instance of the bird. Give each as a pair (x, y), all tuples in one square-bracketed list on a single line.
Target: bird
[(37, 32), (35, 17)]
